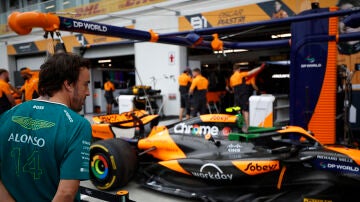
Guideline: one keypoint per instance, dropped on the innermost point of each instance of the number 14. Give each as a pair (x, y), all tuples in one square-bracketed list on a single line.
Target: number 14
[(31, 166)]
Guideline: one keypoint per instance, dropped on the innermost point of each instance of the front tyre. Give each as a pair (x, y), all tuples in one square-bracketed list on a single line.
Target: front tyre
[(113, 163)]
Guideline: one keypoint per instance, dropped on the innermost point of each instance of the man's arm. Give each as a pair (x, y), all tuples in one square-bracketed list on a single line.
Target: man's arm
[(4, 194), (67, 190), (192, 87), (15, 89), (256, 70), (11, 99)]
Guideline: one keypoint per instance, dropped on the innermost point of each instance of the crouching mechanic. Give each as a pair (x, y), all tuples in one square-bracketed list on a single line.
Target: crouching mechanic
[(45, 143)]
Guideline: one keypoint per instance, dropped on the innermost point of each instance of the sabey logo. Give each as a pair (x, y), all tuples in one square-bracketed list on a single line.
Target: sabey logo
[(257, 167)]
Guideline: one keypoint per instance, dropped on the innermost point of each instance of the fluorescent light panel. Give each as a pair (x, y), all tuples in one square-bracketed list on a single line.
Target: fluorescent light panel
[(51, 6), (281, 36), (104, 61), (230, 51)]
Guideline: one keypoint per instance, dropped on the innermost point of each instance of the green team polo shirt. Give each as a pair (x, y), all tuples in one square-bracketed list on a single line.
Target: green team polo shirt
[(42, 142)]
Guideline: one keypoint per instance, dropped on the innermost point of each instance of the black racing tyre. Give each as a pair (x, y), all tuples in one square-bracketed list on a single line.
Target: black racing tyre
[(113, 163)]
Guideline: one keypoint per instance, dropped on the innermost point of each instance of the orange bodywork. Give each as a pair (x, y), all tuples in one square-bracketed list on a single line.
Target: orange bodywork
[(354, 154), (22, 23), (322, 122), (102, 131), (125, 119), (297, 129), (174, 165), (166, 148)]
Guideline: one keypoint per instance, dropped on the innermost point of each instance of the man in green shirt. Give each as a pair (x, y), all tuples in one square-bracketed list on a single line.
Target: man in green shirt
[(44, 143)]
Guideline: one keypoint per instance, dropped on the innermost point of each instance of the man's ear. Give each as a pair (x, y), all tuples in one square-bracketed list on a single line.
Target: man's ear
[(68, 86)]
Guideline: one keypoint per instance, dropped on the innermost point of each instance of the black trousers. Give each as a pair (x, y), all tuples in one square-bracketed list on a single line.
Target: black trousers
[(198, 102)]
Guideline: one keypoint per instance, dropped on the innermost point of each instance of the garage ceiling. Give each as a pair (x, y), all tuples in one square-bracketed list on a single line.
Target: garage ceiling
[(261, 33)]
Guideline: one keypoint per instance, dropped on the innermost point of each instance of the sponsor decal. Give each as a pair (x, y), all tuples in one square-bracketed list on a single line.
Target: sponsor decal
[(198, 21), (311, 63), (196, 129), (334, 158), (26, 139), (257, 167), (340, 167), (219, 118), (231, 17), (89, 26), (310, 59), (67, 23), (226, 131), (211, 171), (234, 148), (38, 107), (89, 10)]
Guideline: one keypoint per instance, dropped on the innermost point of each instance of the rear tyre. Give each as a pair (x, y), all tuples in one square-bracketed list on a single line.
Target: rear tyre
[(113, 163)]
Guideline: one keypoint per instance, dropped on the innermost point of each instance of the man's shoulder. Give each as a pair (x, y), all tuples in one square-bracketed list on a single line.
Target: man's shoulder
[(3, 84)]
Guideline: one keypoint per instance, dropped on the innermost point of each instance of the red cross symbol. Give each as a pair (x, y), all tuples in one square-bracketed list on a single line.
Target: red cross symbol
[(171, 57)]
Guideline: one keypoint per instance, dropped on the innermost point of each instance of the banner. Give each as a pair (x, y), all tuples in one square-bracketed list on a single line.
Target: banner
[(248, 13), (101, 7)]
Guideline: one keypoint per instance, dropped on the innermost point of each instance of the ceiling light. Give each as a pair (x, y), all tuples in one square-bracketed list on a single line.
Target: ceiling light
[(104, 61), (281, 35), (230, 51), (51, 6)]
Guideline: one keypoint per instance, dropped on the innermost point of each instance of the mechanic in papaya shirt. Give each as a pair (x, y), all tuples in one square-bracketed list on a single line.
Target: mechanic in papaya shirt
[(109, 95), (44, 142), (198, 89), (240, 82), (6, 99), (30, 87), (184, 85)]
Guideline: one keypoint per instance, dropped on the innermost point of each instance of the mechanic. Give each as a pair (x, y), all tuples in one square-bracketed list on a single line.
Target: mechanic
[(44, 142), (184, 85), (30, 87), (198, 89), (109, 96), (240, 82), (6, 99)]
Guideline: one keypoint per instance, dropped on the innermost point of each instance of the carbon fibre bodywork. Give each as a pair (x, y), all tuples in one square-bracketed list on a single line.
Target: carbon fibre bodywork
[(208, 158)]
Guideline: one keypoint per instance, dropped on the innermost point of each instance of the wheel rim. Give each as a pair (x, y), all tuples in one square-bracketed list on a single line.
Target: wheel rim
[(99, 166)]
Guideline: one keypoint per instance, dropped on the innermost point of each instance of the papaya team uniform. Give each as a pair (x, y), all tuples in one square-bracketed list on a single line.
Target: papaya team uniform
[(241, 86), (109, 88), (4, 101), (199, 86), (30, 88), (42, 142), (184, 85)]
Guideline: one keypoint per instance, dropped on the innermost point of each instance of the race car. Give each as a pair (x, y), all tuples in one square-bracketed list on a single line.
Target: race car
[(209, 158)]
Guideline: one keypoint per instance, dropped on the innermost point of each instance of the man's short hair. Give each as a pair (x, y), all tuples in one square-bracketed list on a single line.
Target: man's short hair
[(25, 70), (197, 70), (3, 71), (59, 68)]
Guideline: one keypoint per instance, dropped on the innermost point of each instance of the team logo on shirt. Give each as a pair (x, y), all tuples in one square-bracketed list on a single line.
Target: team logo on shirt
[(32, 124)]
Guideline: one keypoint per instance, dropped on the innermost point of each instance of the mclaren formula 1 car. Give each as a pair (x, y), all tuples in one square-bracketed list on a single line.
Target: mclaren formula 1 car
[(208, 158)]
